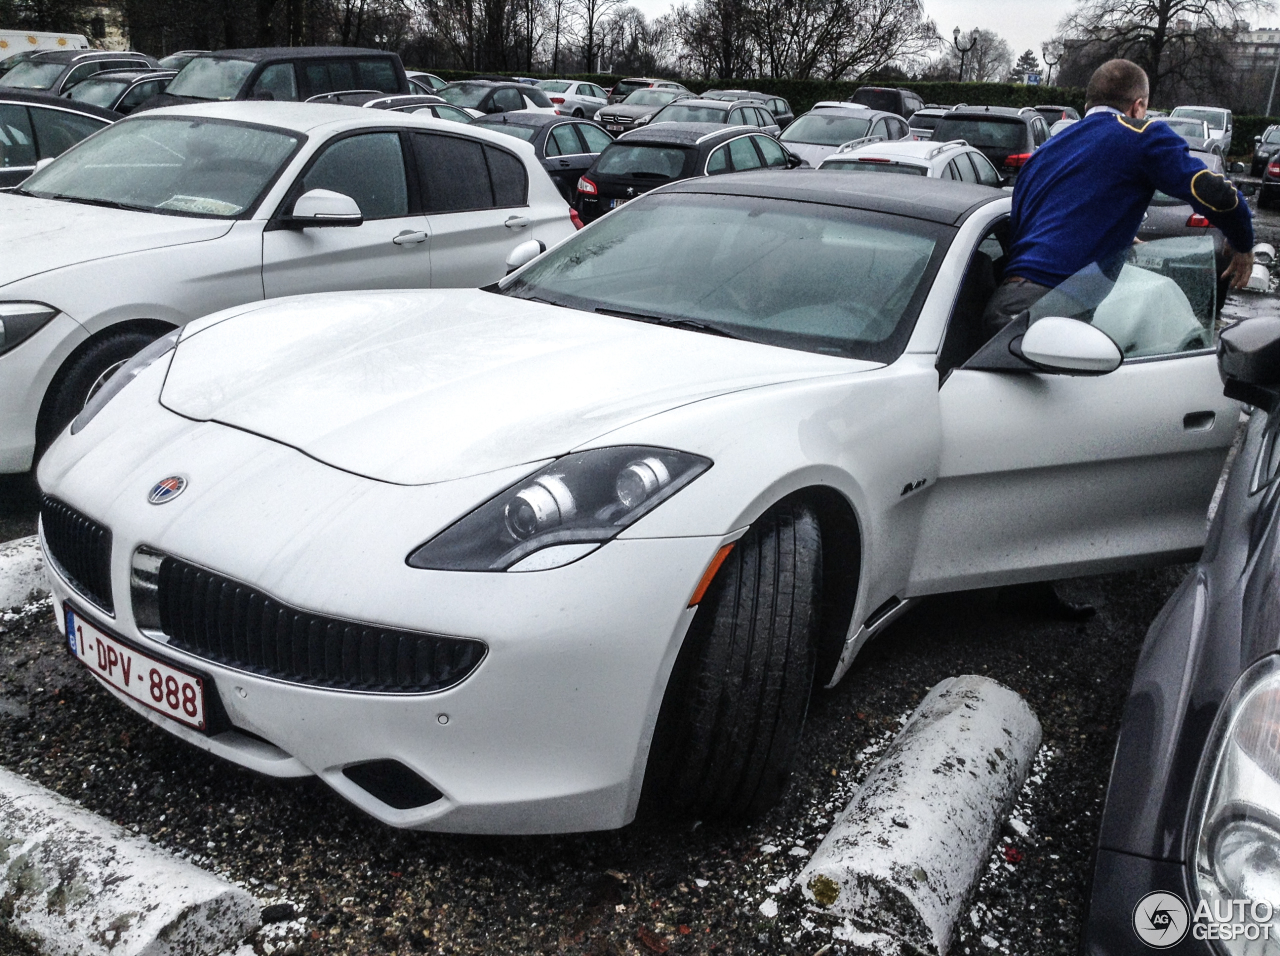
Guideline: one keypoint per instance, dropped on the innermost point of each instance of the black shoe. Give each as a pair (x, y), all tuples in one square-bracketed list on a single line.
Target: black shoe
[(1042, 598)]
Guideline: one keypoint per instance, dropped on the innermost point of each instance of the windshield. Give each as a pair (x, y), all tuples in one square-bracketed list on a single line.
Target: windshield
[(983, 132), (820, 129), (98, 92), (650, 98), (173, 165), (1272, 135), (466, 95), (875, 166), (211, 78), (554, 86), (641, 162), (176, 61), (799, 275), (1214, 118), (679, 113), (623, 87), (526, 133), (32, 76), (924, 121), (1186, 127)]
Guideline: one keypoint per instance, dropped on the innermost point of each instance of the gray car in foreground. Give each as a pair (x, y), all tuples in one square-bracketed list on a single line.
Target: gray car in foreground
[(1188, 857)]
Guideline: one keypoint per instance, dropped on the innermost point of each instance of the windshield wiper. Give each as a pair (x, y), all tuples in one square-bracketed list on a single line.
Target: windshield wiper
[(693, 325), (108, 203)]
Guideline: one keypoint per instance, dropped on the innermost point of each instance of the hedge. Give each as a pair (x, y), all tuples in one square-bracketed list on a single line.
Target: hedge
[(802, 94)]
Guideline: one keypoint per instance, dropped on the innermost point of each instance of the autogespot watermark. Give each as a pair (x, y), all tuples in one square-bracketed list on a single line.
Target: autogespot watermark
[(1162, 920)]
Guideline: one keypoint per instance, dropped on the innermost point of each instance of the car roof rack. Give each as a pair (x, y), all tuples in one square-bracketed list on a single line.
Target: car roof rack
[(863, 141), (719, 132), (943, 147), (324, 96)]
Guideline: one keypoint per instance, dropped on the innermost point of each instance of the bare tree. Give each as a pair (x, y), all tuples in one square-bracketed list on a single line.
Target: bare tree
[(590, 14)]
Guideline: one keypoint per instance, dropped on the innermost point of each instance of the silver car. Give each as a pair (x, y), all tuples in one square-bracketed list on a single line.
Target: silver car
[(574, 97), (829, 125), (1215, 117), (1194, 131)]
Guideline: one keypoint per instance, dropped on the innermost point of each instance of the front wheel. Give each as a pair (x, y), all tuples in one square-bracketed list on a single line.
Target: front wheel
[(578, 113), (736, 702)]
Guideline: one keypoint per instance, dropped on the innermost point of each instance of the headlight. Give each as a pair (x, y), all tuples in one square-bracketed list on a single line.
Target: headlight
[(21, 320), (565, 511), (126, 374), (644, 119), (1237, 846)]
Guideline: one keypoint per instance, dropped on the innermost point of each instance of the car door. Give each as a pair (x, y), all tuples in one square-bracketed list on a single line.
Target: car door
[(389, 250), (475, 196), (1044, 475), (567, 157), (17, 144), (505, 100), (58, 130)]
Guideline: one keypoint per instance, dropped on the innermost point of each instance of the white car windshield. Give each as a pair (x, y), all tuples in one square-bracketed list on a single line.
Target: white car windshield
[(1214, 118), (822, 129), (799, 275), (33, 76), (172, 165), (211, 78)]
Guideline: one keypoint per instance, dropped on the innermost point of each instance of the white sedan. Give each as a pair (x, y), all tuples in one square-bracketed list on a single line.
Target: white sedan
[(520, 559), (175, 213)]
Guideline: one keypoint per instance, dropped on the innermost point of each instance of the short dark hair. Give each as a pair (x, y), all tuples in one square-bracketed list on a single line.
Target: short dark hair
[(1117, 83)]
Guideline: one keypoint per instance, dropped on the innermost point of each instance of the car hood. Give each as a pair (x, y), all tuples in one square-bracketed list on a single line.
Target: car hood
[(811, 153), (627, 112), (422, 387), (39, 235)]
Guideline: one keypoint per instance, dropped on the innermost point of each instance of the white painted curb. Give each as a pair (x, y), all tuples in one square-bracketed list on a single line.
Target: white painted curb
[(82, 886), (908, 851), (22, 576)]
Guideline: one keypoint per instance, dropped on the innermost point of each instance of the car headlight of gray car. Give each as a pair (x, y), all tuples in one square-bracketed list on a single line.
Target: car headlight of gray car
[(561, 512), (1237, 844), (123, 376), (21, 320)]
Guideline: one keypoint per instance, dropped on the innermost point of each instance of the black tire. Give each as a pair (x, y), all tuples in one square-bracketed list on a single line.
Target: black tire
[(87, 370), (578, 113), (736, 702), (1264, 198)]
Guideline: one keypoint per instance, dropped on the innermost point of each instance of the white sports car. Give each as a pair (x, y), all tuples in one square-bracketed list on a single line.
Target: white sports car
[(510, 560)]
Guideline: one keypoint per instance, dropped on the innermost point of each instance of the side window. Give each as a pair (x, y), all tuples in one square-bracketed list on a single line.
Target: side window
[(369, 168), (595, 138), (139, 93), (81, 72), (510, 183), (965, 169), (950, 171), (451, 113), (987, 174), (17, 144), (279, 81), (342, 75), (507, 99), (904, 130), (551, 147), (965, 333), (596, 91), (881, 128), (378, 75), (774, 155), (315, 76), (743, 155), (765, 118), (778, 107), (57, 131), (455, 175), (719, 161), (566, 140), (735, 118), (1039, 131)]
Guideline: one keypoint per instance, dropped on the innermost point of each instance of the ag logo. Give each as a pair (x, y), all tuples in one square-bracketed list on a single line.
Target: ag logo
[(1160, 919)]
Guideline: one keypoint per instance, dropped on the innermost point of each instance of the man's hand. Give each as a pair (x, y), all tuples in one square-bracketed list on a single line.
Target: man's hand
[(1239, 269)]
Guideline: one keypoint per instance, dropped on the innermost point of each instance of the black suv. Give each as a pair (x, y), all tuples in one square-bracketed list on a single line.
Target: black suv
[(56, 71), (490, 96), (1005, 135), (282, 73), (889, 100), (662, 153)]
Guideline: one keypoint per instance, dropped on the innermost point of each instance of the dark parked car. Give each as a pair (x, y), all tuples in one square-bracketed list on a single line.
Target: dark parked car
[(1006, 136), (1192, 817), (398, 102), (731, 112), (776, 105), (662, 153), (624, 88), (56, 71), (176, 61), (282, 73), (924, 120), (9, 62), (1052, 114), (637, 109), (889, 100), (1264, 147), (35, 126), (495, 96), (121, 90), (829, 125), (565, 146), (1269, 190)]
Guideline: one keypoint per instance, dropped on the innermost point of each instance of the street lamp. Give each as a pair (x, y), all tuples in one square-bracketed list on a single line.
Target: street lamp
[(1051, 59), (962, 50)]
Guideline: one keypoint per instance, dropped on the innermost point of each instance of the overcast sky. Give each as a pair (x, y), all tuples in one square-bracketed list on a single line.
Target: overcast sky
[(1024, 23)]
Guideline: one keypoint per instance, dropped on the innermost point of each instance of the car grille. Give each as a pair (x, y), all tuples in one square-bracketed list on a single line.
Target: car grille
[(80, 549), (221, 620)]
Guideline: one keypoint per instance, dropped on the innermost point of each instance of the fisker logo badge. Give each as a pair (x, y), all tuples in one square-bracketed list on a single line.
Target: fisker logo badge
[(167, 490)]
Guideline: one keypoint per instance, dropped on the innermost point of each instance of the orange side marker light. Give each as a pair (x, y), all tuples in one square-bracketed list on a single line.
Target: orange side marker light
[(709, 575)]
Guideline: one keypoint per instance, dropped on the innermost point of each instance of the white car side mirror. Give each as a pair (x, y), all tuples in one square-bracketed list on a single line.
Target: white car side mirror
[(525, 252), (324, 207), (1071, 346)]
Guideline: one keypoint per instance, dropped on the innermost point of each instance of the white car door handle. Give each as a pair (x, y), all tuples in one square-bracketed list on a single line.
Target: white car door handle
[(517, 222), (409, 238)]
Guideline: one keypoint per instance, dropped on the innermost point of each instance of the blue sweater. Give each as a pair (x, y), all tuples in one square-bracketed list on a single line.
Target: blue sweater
[(1081, 197)]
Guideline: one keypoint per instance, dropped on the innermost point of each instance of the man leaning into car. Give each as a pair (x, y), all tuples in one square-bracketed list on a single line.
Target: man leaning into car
[(1081, 197)]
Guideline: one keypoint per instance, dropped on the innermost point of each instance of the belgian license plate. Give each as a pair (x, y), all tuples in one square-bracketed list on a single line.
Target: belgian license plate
[(615, 203), (613, 128), (154, 683)]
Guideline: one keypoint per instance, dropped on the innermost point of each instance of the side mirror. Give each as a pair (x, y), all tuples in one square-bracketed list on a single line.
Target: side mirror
[(1068, 346), (527, 251), (1257, 139), (1249, 361), (793, 160), (324, 207)]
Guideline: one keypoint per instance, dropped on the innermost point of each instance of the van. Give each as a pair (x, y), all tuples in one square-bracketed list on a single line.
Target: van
[(13, 42)]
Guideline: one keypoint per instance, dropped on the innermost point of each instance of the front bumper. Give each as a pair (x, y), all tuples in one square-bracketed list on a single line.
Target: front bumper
[(1120, 881), (549, 734)]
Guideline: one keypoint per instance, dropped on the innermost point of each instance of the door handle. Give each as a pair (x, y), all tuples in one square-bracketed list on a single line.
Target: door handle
[(517, 222), (1198, 421), (564, 162), (409, 238)]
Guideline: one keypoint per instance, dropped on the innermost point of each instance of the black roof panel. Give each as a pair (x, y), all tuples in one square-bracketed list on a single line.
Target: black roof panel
[(261, 54), (681, 134)]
